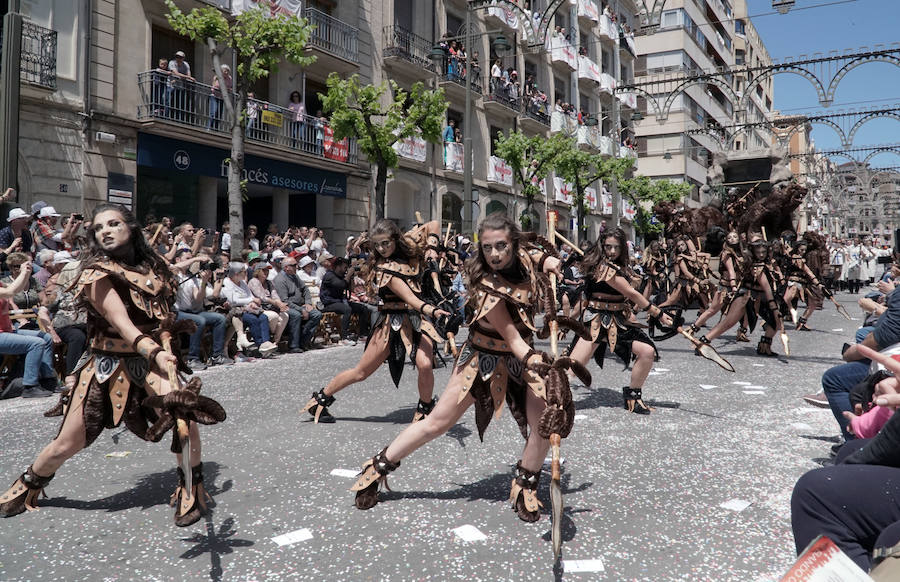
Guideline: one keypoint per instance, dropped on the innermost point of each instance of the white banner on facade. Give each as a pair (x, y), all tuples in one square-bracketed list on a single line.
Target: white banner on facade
[(606, 200), (499, 171), (542, 185), (411, 148), (628, 99), (608, 28), (588, 69), (567, 124), (453, 157), (562, 51), (563, 191), (590, 197), (628, 211), (589, 9), (280, 6), (505, 15), (607, 82)]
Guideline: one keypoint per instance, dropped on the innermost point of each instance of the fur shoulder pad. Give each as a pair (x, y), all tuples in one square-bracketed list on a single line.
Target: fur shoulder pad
[(146, 283), (606, 271)]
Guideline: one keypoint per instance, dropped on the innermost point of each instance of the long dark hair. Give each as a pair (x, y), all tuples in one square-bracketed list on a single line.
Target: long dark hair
[(404, 252), (476, 265), (597, 255), (145, 258)]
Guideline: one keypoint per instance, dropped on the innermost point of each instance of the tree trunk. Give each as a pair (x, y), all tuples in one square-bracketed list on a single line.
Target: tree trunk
[(235, 193), (580, 233), (380, 188)]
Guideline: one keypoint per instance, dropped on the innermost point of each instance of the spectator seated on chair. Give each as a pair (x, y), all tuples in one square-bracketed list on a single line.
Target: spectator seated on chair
[(274, 308), (239, 295), (303, 317), (62, 318), (190, 299), (335, 297)]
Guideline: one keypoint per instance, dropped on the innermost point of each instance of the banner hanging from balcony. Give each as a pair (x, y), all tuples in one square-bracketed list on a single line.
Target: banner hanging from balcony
[(499, 171), (335, 150), (567, 124), (588, 9), (590, 197), (628, 100), (505, 15), (453, 157), (588, 69), (607, 83), (542, 185), (274, 6), (608, 28), (606, 200), (563, 191), (628, 211), (562, 51), (411, 148), (186, 157)]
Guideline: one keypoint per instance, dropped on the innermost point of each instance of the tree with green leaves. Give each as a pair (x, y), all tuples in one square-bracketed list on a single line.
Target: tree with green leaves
[(531, 159), (259, 41), (359, 111), (581, 169), (643, 192)]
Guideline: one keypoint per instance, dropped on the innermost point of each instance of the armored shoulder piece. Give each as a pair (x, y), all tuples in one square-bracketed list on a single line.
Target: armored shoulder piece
[(494, 288), (148, 291)]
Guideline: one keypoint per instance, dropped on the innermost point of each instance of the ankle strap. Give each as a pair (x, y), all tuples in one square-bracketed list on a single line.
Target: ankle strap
[(382, 465), (34, 481), (323, 399), (632, 393), (527, 479), (765, 340)]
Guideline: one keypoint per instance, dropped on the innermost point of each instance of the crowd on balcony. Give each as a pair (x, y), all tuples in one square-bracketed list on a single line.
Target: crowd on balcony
[(171, 92)]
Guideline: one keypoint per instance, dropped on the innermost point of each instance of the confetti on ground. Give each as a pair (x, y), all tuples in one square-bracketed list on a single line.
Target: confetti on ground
[(801, 426), (344, 473), (759, 365), (708, 386), (580, 416), (755, 387), (753, 392), (737, 505), (118, 455), (469, 533), (300, 535), (742, 383), (570, 566), (655, 374), (838, 329), (660, 369)]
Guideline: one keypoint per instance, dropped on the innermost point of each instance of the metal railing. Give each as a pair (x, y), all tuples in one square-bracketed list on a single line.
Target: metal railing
[(403, 44), (458, 76), (333, 36), (38, 56), (191, 104)]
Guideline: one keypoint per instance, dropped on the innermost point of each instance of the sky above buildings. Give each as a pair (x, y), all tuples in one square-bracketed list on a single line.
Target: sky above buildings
[(821, 26)]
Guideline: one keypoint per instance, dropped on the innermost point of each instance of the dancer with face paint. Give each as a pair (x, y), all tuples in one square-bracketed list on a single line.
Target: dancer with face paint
[(494, 366), (128, 292), (731, 266), (610, 303), (395, 267)]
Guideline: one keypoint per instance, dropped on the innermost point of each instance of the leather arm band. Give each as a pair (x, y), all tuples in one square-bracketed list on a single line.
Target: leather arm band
[(423, 312), (147, 347), (653, 310)]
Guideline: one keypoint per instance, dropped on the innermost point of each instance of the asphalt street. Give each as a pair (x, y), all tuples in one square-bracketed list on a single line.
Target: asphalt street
[(699, 490)]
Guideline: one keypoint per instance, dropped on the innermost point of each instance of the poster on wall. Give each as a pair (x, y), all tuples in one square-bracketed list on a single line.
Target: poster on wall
[(120, 190)]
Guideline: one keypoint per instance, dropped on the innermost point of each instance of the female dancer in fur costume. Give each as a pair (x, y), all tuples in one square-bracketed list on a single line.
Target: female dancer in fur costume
[(495, 364), (127, 290), (611, 299), (756, 297), (730, 268), (690, 282), (395, 266), (802, 285)]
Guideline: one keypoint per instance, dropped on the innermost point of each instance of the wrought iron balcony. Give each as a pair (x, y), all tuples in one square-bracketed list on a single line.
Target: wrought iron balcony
[(333, 36), (38, 55), (185, 103), (404, 45)]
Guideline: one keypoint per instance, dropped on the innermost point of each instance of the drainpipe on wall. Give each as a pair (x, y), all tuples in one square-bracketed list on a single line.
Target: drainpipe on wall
[(10, 61), (86, 110)]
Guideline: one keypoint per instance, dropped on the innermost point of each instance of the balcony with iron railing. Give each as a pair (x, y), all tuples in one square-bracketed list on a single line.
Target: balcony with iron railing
[(405, 46), (38, 55), (188, 104), (333, 36)]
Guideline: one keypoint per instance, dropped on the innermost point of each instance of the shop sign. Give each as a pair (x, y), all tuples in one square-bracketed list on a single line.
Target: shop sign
[(186, 157)]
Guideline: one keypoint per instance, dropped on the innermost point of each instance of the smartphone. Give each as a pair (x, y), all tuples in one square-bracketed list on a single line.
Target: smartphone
[(78, 216)]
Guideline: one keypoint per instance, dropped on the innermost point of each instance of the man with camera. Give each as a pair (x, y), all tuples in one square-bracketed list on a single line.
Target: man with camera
[(193, 290), (334, 295)]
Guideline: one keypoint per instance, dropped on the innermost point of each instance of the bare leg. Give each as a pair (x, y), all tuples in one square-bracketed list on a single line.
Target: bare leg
[(425, 367), (583, 351), (536, 446), (643, 363), (714, 308), (71, 439), (735, 313), (374, 356)]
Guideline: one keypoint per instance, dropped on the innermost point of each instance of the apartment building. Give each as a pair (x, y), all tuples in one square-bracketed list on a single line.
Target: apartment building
[(704, 117), (110, 128)]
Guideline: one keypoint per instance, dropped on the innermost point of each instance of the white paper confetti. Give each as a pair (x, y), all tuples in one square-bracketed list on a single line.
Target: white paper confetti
[(660, 369), (708, 386), (118, 455), (469, 533), (579, 416), (838, 329), (300, 535), (753, 392), (759, 365), (742, 383), (595, 565), (344, 473), (755, 387), (737, 505)]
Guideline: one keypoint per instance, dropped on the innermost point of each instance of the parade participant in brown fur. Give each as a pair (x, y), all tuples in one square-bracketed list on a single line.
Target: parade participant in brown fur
[(496, 365), (611, 300), (127, 290), (395, 269)]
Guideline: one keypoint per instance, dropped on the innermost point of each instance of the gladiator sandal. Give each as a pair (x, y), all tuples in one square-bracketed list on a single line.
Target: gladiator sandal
[(318, 407), (373, 475), (742, 334), (423, 409), (764, 347), (185, 514), (801, 325), (523, 494), (693, 329), (23, 494), (633, 400)]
